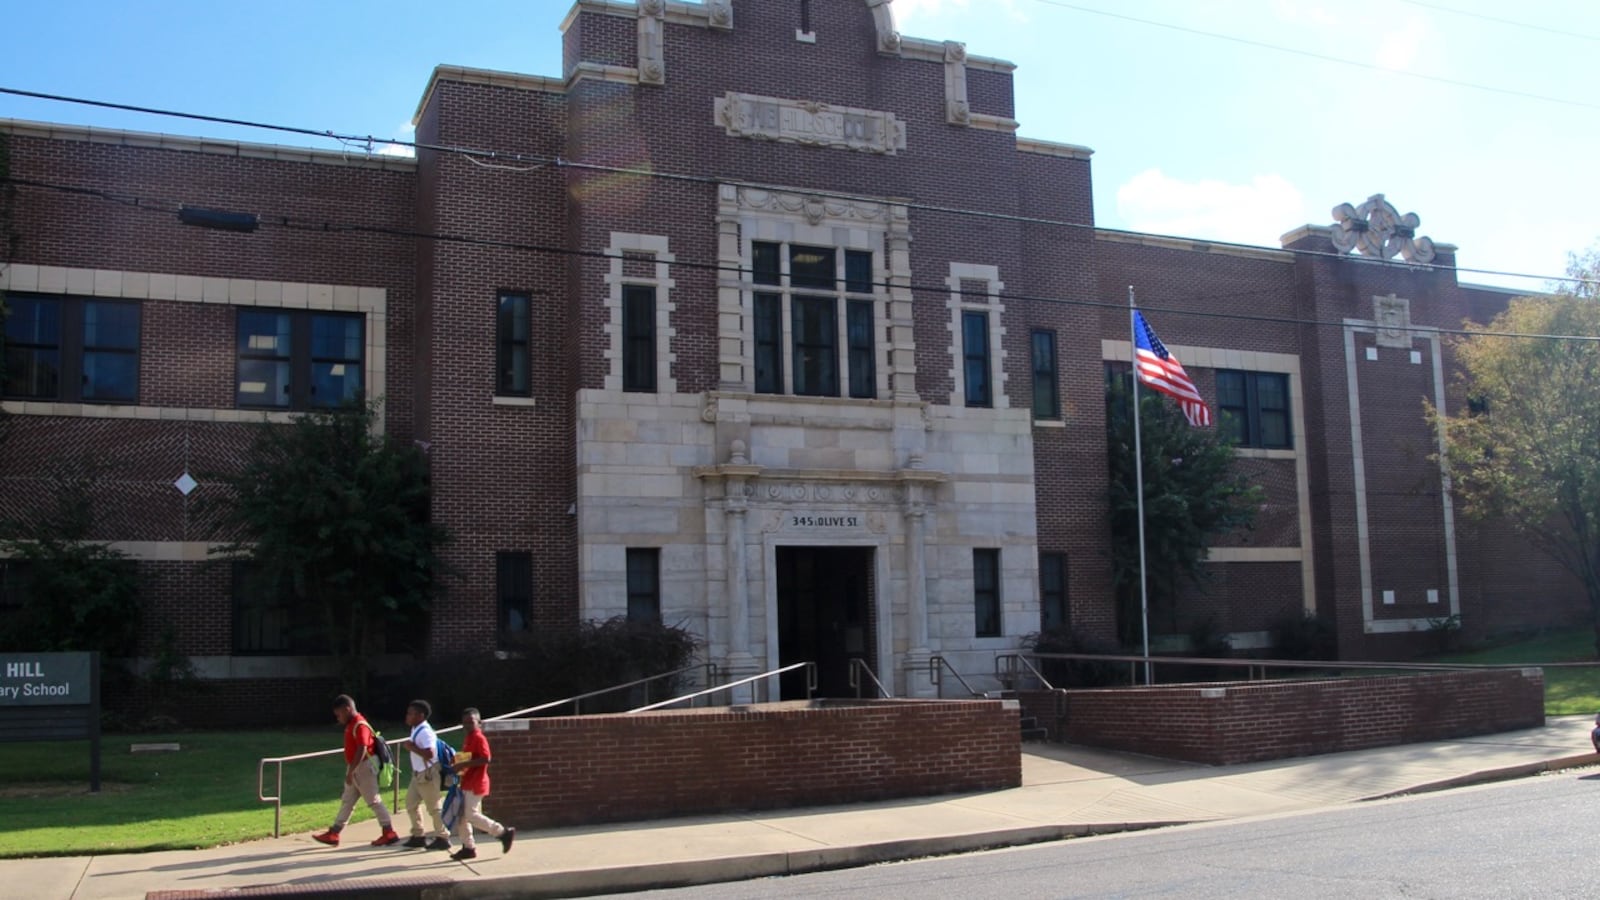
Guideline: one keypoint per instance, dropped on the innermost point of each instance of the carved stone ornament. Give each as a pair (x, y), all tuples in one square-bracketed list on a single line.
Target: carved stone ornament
[(720, 13), (652, 27), (883, 20), (809, 122), (815, 209), (1376, 229), (1392, 315)]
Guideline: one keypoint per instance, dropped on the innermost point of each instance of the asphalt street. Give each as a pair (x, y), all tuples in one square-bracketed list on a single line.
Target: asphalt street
[(1528, 838)]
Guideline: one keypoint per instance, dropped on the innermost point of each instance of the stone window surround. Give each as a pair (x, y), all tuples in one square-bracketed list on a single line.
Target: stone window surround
[(237, 292), (990, 303), (1257, 361), (748, 214), (657, 246)]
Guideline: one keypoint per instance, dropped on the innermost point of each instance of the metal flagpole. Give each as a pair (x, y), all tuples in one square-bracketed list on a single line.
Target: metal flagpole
[(1138, 478)]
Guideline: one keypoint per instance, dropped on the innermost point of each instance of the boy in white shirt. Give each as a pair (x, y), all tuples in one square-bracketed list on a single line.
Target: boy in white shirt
[(426, 778)]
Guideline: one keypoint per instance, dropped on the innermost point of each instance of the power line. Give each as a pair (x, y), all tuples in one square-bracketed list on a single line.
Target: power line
[(540, 162), (170, 207), (1311, 54), (1512, 22)]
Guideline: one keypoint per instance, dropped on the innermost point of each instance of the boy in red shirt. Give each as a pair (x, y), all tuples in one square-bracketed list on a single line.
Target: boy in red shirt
[(472, 764), (359, 778)]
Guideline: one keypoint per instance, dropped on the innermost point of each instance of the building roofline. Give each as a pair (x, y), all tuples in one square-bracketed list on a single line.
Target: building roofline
[(214, 146), (1053, 148), (1195, 245)]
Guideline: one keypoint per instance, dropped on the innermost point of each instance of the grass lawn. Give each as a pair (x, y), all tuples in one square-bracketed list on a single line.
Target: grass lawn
[(1566, 691), (200, 796)]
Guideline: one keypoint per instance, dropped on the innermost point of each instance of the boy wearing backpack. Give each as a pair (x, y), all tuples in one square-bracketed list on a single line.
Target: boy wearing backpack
[(427, 777), (360, 778), (472, 764)]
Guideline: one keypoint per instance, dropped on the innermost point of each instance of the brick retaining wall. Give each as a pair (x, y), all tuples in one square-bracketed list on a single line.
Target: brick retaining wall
[(1222, 724), (579, 770)]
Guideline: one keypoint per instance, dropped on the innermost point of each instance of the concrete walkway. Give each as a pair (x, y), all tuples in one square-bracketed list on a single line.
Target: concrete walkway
[(1066, 791)]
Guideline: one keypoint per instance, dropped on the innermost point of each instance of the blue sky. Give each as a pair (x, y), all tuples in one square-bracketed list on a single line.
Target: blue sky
[(1195, 135)]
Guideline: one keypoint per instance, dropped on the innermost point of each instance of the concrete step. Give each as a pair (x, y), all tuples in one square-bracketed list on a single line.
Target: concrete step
[(1035, 734)]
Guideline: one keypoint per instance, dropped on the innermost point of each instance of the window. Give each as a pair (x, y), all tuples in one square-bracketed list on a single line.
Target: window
[(267, 622), (1052, 590), (71, 349), (639, 338), (1255, 408), (13, 586), (1046, 395), (289, 359), (512, 336), (644, 584), (975, 357), (825, 296), (986, 591), (513, 580)]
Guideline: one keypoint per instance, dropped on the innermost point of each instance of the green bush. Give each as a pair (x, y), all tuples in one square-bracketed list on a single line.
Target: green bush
[(1307, 636), (1064, 673), (551, 665)]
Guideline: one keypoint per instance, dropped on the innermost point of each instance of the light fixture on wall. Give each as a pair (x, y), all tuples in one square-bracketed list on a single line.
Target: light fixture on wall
[(218, 219)]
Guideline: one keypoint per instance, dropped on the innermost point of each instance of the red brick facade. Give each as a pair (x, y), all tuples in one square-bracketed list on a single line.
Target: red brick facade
[(590, 769), (577, 160), (1226, 724)]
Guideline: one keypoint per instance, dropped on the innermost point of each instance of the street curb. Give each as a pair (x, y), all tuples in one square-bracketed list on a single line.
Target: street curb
[(688, 873), (1489, 776)]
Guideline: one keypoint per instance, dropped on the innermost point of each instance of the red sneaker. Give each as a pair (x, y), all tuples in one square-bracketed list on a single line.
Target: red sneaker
[(331, 838), (388, 837)]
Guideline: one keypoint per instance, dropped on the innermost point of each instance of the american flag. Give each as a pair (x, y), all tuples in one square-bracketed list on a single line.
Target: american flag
[(1161, 370)]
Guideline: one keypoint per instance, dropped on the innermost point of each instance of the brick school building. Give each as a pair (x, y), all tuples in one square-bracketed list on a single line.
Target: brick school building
[(764, 319)]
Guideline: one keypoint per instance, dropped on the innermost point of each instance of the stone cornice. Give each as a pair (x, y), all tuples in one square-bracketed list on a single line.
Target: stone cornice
[(157, 141), (1052, 148)]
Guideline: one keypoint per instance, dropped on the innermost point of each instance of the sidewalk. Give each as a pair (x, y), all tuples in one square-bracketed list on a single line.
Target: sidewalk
[(1066, 791)]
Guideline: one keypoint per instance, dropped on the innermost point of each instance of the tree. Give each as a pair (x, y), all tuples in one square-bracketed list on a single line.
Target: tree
[(1524, 447), (1192, 495), (77, 594), (333, 518)]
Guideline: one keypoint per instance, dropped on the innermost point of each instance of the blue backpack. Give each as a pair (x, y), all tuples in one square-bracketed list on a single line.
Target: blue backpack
[(446, 755)]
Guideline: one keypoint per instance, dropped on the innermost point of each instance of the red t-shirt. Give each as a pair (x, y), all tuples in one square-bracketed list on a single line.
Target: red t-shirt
[(353, 744), (476, 778)]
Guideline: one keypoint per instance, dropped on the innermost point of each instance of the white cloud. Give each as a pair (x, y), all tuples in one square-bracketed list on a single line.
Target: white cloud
[(405, 131), (1255, 213)]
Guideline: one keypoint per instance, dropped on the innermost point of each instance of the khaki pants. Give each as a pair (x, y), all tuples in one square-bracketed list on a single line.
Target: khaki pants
[(365, 786), (472, 814), (424, 791)]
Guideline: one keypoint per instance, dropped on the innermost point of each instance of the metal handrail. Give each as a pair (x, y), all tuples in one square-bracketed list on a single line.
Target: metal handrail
[(1258, 667), (1008, 675), (938, 663), (811, 686), (276, 800), (858, 666)]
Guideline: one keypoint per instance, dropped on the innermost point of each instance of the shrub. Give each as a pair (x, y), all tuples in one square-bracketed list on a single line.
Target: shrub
[(1307, 636), (1064, 673)]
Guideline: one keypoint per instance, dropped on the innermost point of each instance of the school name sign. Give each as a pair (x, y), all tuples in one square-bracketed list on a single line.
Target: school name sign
[(46, 679)]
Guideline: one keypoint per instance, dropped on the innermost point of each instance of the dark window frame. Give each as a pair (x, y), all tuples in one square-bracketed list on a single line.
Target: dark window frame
[(986, 599), (302, 358), (978, 389), (295, 633), (514, 591), (781, 286), (639, 339), (507, 343), (1241, 408), (1046, 375), (1054, 611), (72, 349), (643, 600), (816, 362), (767, 307)]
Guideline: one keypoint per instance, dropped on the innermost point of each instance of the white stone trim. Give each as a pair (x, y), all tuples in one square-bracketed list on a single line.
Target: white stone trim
[(746, 215), (1259, 361), (1254, 554), (157, 141), (503, 400), (655, 245), (373, 302), (1369, 623), (808, 122), (990, 303), (1053, 148)]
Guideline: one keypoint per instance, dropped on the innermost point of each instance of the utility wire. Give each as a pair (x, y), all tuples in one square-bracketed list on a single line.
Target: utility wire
[(1512, 22), (285, 222), (541, 162), (1311, 54)]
